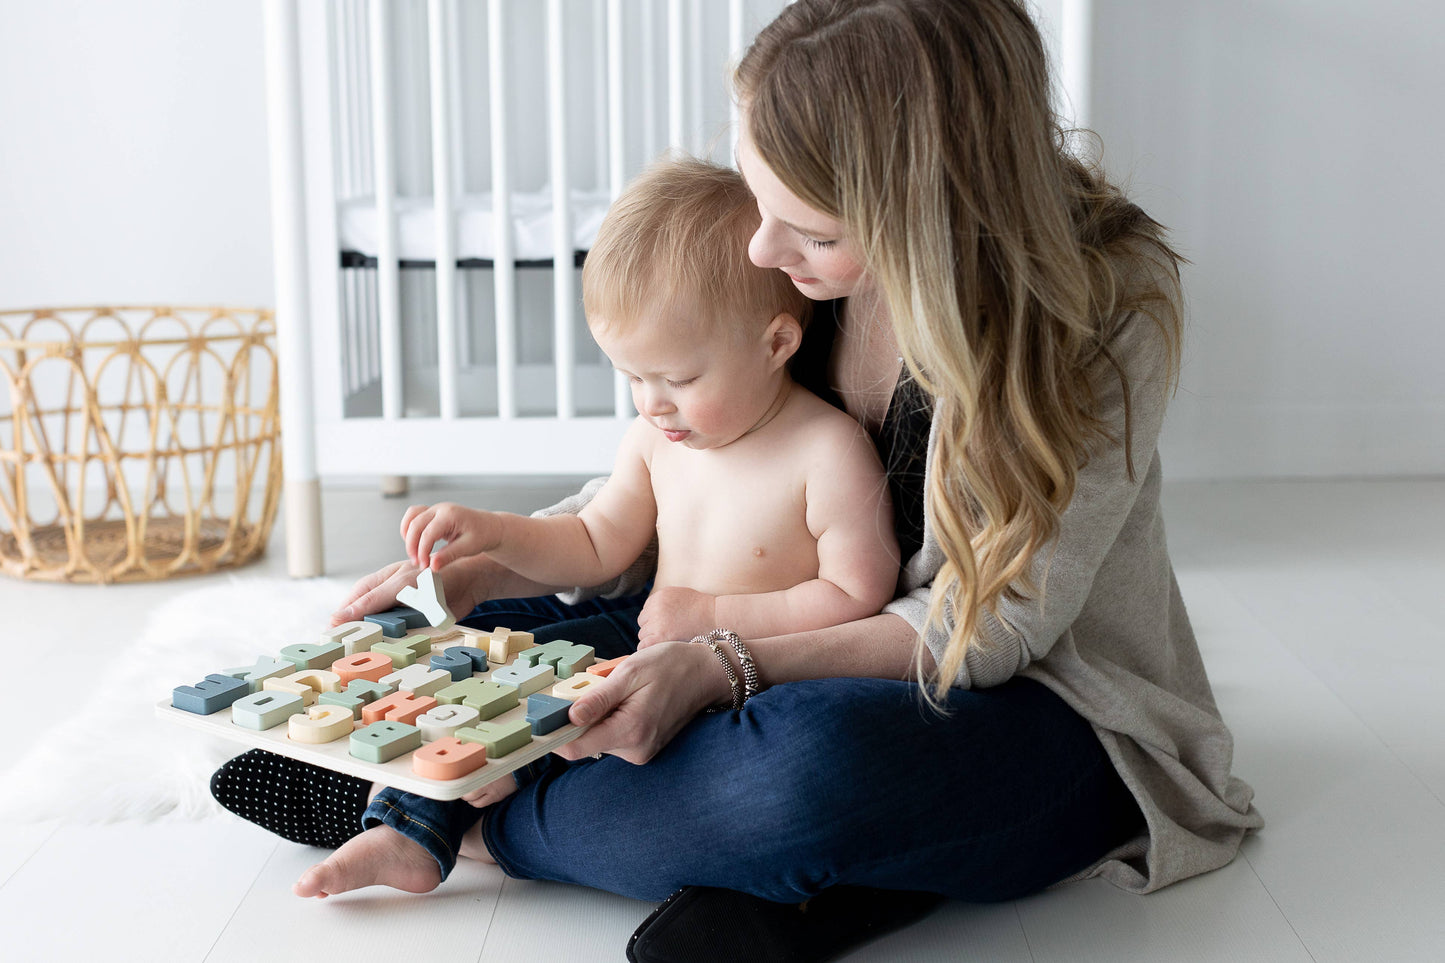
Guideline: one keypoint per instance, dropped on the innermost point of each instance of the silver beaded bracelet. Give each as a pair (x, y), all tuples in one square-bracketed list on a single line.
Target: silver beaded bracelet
[(727, 665), (745, 659)]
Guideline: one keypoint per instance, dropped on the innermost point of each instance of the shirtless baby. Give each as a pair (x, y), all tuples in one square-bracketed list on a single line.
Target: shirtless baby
[(770, 506)]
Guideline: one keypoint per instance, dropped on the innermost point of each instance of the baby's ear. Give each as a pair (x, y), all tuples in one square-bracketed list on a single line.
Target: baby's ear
[(784, 335)]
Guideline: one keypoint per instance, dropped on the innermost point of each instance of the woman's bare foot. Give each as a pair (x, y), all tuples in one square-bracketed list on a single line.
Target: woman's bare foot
[(381, 856)]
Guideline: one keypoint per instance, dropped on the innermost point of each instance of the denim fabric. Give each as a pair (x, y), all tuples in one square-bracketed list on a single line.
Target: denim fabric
[(833, 781), (815, 784), (608, 625)]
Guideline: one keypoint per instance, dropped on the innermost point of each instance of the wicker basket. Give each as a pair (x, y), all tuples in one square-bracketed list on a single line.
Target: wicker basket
[(136, 443)]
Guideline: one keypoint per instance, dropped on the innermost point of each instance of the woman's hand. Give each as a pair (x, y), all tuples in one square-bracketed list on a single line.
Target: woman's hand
[(467, 531), (466, 582), (675, 614), (637, 709)]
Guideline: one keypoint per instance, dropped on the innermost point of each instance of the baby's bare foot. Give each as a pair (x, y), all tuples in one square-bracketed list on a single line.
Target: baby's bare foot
[(381, 856)]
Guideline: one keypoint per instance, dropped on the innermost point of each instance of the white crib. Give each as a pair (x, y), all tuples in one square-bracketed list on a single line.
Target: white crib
[(434, 163)]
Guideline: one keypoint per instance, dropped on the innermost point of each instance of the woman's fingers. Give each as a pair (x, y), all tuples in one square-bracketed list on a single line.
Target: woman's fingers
[(366, 585), (637, 709), (381, 595)]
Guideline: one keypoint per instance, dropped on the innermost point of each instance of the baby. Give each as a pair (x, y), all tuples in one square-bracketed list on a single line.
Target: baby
[(770, 506)]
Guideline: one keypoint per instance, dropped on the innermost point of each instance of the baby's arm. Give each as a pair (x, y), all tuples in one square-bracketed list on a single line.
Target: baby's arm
[(850, 513), (590, 547)]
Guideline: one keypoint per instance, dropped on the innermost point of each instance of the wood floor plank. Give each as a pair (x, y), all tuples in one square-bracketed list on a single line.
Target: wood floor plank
[(18, 843), (448, 925), (1224, 915), (124, 892), (1354, 842), (560, 923)]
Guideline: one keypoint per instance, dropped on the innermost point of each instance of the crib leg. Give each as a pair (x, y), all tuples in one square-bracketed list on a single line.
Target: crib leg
[(304, 556), (395, 486)]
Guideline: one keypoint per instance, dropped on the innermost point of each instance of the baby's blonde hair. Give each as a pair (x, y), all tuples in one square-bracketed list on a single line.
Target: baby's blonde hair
[(1005, 262), (677, 237)]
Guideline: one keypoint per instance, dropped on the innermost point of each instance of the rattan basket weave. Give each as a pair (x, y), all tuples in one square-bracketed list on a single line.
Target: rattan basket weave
[(136, 443)]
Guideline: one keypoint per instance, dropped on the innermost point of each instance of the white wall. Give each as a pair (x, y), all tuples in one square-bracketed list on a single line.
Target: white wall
[(132, 153), (1292, 145)]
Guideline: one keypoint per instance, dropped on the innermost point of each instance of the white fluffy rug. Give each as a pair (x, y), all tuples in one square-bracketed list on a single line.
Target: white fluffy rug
[(118, 760)]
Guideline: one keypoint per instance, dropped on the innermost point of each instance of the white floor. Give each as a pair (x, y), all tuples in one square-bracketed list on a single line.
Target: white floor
[(1320, 610)]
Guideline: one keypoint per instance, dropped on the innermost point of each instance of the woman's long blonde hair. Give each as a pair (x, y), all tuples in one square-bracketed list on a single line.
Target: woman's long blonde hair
[(925, 127)]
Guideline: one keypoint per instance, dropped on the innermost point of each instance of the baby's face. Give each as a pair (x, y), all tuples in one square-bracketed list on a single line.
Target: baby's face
[(701, 387)]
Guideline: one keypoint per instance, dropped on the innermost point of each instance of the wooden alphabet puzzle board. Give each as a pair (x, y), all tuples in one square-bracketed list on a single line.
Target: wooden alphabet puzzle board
[(437, 712)]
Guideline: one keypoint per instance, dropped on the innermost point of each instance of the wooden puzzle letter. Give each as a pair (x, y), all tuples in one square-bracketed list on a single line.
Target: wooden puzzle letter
[(318, 655), (384, 741), (418, 680), (266, 709), (526, 678), (321, 724), (211, 694), (354, 636), (505, 643), (370, 666), (397, 707), (565, 657), (500, 738), (439, 722), (448, 758)]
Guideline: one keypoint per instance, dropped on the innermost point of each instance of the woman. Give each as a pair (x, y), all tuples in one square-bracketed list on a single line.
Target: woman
[(1011, 323)]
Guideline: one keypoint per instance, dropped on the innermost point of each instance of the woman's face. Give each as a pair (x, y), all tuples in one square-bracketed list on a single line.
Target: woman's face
[(807, 245)]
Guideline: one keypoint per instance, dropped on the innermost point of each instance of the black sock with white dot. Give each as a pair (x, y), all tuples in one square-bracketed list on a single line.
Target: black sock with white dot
[(295, 800)]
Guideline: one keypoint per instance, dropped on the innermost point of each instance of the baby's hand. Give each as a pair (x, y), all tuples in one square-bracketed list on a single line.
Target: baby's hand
[(467, 531), (675, 615)]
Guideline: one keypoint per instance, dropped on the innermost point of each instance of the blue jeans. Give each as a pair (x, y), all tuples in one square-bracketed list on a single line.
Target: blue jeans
[(814, 784)]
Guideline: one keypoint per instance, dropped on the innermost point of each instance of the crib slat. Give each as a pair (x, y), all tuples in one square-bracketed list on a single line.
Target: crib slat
[(441, 23), (454, 83), (505, 260), (563, 349), (350, 92), (327, 167), (617, 175), (361, 98), (388, 280), (649, 79), (736, 39), (601, 71), (1076, 41), (676, 92), (621, 392), (694, 61)]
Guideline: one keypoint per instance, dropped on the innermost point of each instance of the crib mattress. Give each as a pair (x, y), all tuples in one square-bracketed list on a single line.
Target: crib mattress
[(358, 226)]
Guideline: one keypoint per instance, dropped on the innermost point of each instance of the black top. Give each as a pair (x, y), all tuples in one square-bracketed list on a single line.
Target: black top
[(902, 439)]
